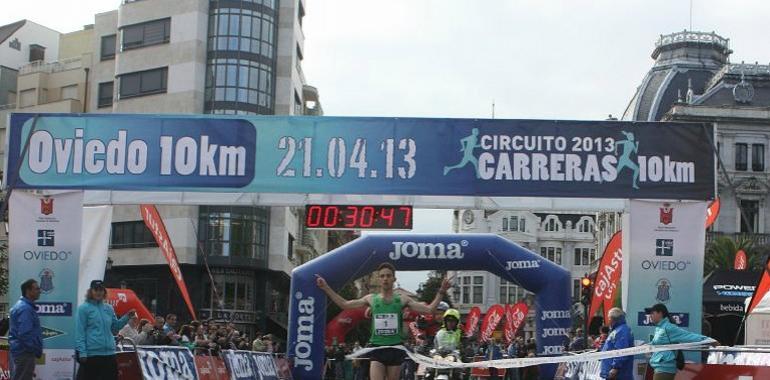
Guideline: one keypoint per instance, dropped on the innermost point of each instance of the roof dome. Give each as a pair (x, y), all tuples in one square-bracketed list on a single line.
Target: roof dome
[(684, 63)]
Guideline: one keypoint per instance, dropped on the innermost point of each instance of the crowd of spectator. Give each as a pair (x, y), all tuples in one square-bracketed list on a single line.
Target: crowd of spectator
[(203, 337)]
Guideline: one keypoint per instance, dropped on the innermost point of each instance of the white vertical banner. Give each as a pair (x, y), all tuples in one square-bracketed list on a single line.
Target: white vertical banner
[(44, 244), (665, 242), (95, 242)]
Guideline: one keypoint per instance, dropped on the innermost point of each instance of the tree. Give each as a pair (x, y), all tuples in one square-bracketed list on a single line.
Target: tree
[(720, 254), (428, 289)]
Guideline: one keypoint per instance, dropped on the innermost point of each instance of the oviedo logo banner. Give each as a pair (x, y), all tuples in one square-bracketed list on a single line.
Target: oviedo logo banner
[(350, 155)]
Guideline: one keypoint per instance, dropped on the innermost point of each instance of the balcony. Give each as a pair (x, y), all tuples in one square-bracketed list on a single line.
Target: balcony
[(51, 67), (758, 239)]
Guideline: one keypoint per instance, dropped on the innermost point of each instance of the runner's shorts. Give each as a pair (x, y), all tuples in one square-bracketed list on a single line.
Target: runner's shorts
[(388, 356)]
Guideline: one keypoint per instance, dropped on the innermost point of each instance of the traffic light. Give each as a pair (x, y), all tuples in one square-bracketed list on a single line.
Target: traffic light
[(585, 290)]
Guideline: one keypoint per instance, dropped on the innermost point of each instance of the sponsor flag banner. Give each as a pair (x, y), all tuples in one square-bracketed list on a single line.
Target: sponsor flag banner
[(608, 276), (514, 319), (155, 224), (211, 368), (490, 322), (761, 290), (712, 212), (249, 365), (662, 259), (472, 321), (44, 245), (740, 260), (364, 155), (123, 300), (166, 363), (345, 321)]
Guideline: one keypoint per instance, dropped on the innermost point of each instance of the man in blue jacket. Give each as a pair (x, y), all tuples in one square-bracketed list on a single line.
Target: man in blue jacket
[(664, 362), (25, 336), (95, 327), (620, 368)]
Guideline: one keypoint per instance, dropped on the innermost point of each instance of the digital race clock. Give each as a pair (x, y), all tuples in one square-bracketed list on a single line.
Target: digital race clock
[(358, 217)]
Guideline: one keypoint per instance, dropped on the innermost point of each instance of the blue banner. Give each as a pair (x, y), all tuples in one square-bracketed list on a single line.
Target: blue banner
[(336, 155), (166, 363), (246, 365)]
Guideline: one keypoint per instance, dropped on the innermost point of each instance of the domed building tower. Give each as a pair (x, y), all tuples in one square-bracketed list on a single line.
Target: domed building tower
[(684, 63)]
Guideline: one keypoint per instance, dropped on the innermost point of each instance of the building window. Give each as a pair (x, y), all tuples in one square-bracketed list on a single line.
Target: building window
[(465, 290), (478, 289), (290, 249), (236, 291), (522, 225), (514, 225), (750, 219), (551, 225), (240, 84), (234, 29), (109, 44), (584, 225), (143, 83), (584, 256), (576, 288), (134, 234), (105, 94), (36, 53), (234, 231), (741, 156), (505, 224), (553, 254), (69, 92), (146, 34), (510, 293), (758, 157), (27, 98)]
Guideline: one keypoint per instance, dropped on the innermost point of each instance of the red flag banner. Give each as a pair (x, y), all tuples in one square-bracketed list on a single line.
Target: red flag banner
[(608, 275), (761, 289), (491, 320), (155, 224), (514, 319), (712, 212), (341, 325), (740, 260), (472, 321), (123, 300)]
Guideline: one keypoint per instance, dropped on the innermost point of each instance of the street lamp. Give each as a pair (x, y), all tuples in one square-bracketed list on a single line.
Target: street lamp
[(586, 283), (108, 265)]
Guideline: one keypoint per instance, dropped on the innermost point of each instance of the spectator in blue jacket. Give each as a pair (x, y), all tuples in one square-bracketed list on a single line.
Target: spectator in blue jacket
[(25, 336), (95, 328), (620, 368), (664, 362)]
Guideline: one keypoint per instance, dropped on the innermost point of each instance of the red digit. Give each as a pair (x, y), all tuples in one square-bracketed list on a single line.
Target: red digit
[(351, 217), (313, 217), (386, 213), (330, 216), (407, 216), (367, 221)]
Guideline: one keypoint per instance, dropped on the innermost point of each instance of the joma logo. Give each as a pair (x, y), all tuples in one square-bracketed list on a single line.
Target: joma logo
[(428, 250)]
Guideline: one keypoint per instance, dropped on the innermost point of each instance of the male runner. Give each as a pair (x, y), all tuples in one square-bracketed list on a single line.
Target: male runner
[(387, 325)]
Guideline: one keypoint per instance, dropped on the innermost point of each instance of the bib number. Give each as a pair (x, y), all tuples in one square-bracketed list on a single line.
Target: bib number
[(386, 324)]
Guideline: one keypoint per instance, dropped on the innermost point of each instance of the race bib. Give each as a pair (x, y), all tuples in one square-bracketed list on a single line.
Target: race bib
[(386, 324)]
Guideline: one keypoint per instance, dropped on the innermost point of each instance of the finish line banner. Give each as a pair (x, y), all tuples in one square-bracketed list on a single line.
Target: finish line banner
[(349, 155)]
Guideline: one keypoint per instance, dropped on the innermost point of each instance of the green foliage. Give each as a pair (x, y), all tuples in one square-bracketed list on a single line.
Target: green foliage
[(720, 254), (428, 289)]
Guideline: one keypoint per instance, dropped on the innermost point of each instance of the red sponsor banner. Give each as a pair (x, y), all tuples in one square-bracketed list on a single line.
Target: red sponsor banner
[(123, 300), (211, 368), (760, 291), (154, 222), (5, 368), (491, 320), (514, 319), (740, 260), (712, 212), (608, 276), (128, 366), (345, 321), (508, 332), (472, 321)]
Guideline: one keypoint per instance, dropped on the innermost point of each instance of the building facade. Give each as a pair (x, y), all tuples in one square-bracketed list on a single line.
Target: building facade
[(193, 57), (693, 80), (564, 238)]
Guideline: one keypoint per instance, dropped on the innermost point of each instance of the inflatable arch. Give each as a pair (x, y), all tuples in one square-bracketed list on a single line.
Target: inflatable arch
[(307, 315)]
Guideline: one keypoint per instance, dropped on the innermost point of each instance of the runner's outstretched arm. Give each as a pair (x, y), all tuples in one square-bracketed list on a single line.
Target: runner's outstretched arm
[(337, 299), (429, 309)]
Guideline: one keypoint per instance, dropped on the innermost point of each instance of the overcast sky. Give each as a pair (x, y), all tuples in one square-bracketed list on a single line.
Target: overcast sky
[(449, 58)]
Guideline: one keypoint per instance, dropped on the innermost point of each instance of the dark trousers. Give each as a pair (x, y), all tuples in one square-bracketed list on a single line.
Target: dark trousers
[(99, 367), (22, 366)]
